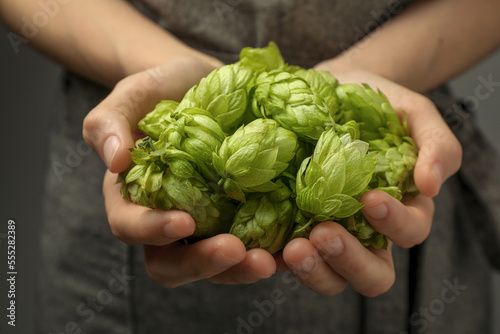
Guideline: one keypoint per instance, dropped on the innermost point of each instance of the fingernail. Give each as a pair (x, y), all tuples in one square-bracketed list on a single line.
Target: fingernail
[(307, 265), (437, 171), (332, 247), (377, 212), (222, 260), (111, 145)]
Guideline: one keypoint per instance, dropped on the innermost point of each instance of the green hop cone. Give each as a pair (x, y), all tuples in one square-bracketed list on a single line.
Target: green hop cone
[(265, 220), (194, 131), (381, 127), (322, 83), (289, 100), (330, 182), (223, 93), (253, 156), (163, 177), (152, 125)]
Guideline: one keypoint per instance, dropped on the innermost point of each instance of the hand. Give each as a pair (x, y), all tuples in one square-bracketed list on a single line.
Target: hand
[(332, 257), (110, 129)]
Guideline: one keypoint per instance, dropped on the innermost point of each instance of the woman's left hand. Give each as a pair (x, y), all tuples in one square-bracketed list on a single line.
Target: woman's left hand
[(332, 258)]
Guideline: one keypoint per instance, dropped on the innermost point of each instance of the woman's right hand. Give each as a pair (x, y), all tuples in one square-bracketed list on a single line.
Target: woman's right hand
[(110, 129)]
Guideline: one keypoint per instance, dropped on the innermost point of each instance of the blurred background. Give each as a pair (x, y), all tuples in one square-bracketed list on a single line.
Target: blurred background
[(28, 85)]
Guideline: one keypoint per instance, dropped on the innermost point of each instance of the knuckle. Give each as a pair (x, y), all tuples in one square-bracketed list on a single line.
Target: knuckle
[(90, 125)]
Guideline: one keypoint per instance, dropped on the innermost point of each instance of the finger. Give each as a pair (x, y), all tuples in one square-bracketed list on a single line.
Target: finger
[(258, 264), (310, 269), (109, 127), (178, 264), (407, 223), (135, 224), (440, 153), (368, 271)]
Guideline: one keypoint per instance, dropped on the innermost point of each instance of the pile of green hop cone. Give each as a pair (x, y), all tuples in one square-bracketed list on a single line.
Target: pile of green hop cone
[(265, 150)]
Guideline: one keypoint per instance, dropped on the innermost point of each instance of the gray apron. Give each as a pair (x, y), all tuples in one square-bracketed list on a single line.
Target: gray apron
[(93, 282)]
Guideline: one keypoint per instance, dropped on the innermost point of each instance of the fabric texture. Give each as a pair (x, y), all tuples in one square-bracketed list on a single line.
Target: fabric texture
[(93, 282)]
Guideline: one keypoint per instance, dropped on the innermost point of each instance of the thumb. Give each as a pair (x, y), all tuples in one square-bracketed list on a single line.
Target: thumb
[(440, 153), (111, 127)]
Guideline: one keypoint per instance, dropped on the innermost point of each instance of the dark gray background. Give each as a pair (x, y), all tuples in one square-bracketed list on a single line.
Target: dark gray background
[(28, 84)]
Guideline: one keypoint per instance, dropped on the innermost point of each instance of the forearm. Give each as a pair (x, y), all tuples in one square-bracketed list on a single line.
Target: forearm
[(102, 40), (427, 44)]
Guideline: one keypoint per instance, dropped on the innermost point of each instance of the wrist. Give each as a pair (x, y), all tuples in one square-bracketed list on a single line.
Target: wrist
[(143, 60)]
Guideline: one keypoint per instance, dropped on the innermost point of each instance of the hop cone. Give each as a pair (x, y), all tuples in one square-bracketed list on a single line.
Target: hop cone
[(381, 127), (253, 156), (330, 182), (195, 131), (163, 177), (289, 100), (152, 124), (323, 84), (265, 220), (223, 93)]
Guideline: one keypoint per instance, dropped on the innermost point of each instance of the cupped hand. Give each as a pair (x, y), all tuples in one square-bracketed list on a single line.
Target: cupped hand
[(110, 129), (332, 257)]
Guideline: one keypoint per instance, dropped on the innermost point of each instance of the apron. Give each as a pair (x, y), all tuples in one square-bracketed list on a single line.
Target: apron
[(93, 282)]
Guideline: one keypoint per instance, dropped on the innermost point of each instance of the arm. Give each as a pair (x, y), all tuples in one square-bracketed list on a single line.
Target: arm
[(427, 44), (102, 40)]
